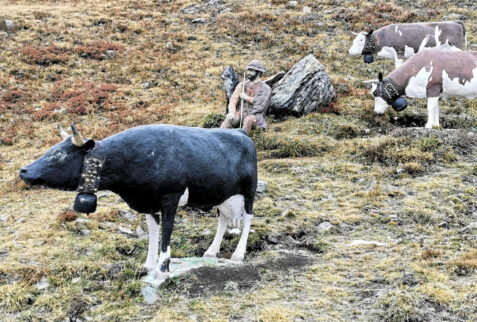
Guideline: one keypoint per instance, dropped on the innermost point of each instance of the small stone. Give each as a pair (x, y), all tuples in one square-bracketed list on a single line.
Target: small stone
[(9, 25), (261, 186), (4, 218), (400, 170), (360, 242), (110, 54), (292, 4), (443, 224), (469, 228), (206, 232), (85, 232), (75, 280), (306, 9), (126, 231), (141, 234), (82, 221), (19, 221), (146, 85), (128, 215), (43, 284), (192, 9), (324, 227), (272, 239), (3, 252), (393, 218), (199, 20), (169, 46), (109, 225), (367, 131)]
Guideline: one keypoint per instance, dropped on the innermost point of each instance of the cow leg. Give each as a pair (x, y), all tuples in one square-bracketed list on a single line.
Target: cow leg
[(153, 230), (432, 112), (239, 252), (215, 246), (168, 212)]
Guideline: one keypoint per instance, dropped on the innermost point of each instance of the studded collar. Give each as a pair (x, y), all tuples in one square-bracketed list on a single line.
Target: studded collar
[(369, 45), (91, 173), (389, 91)]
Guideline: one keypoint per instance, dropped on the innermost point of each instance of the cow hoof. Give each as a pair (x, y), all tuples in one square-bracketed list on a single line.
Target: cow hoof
[(236, 259), (209, 255)]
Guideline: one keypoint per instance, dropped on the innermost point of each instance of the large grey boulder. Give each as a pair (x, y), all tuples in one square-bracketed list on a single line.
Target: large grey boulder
[(305, 88)]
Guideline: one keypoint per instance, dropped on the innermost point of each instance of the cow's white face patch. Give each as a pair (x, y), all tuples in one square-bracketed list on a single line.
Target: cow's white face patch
[(417, 86), (358, 45), (454, 88), (380, 105)]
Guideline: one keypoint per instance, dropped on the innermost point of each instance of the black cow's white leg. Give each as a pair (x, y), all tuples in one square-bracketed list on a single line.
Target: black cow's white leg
[(215, 246), (153, 230), (432, 112), (239, 252), (168, 212)]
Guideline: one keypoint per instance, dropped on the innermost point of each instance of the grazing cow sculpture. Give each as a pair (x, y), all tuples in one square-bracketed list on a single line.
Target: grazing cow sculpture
[(430, 74), (156, 168), (406, 39)]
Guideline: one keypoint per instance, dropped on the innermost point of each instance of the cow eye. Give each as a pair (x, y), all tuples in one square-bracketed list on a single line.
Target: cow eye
[(55, 155)]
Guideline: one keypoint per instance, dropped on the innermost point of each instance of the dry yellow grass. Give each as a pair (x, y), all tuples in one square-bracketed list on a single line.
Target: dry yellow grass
[(412, 192)]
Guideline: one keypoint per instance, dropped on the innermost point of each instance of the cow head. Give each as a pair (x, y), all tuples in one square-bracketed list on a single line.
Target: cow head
[(363, 44), (60, 167), (385, 94)]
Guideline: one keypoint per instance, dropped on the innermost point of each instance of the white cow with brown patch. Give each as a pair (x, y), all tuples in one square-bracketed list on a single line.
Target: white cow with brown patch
[(406, 39), (430, 74)]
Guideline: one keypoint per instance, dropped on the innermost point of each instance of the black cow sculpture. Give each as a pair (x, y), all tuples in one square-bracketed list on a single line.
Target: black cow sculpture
[(156, 168)]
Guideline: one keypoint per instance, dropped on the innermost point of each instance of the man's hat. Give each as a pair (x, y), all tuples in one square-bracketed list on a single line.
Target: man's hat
[(256, 65)]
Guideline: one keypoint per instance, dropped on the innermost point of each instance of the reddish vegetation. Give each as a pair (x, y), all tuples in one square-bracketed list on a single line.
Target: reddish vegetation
[(45, 56), (8, 134), (81, 98), (68, 215), (97, 50)]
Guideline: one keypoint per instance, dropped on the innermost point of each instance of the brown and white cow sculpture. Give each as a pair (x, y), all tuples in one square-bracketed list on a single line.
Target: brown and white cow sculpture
[(407, 39), (430, 74)]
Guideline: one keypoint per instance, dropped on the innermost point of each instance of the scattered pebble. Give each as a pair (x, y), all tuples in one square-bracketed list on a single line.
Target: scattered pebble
[(128, 215), (199, 20), (324, 227), (43, 284), (146, 85), (469, 228), (19, 221), (85, 232), (126, 231), (292, 4), (261, 186), (75, 280), (3, 252), (306, 9), (9, 25), (82, 221), (400, 170), (141, 234), (169, 46), (443, 224)]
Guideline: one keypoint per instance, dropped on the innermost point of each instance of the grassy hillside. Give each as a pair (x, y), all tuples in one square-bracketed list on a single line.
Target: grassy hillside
[(112, 65)]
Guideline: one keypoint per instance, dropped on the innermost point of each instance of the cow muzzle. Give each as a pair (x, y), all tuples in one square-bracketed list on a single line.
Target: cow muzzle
[(27, 177)]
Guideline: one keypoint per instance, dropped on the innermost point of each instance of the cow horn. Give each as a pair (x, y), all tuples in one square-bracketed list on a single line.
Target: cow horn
[(76, 139), (62, 132), (370, 81)]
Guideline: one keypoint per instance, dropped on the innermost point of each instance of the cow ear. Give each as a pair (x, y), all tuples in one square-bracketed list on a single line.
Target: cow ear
[(380, 77), (370, 32), (88, 146)]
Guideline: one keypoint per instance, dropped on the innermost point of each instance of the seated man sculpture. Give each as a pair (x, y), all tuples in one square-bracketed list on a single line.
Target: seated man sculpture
[(255, 96)]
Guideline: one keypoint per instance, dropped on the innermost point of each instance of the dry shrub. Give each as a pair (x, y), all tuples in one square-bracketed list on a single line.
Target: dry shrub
[(413, 168), (430, 253), (45, 56), (80, 98), (466, 262), (8, 134), (67, 215), (97, 50), (102, 216)]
